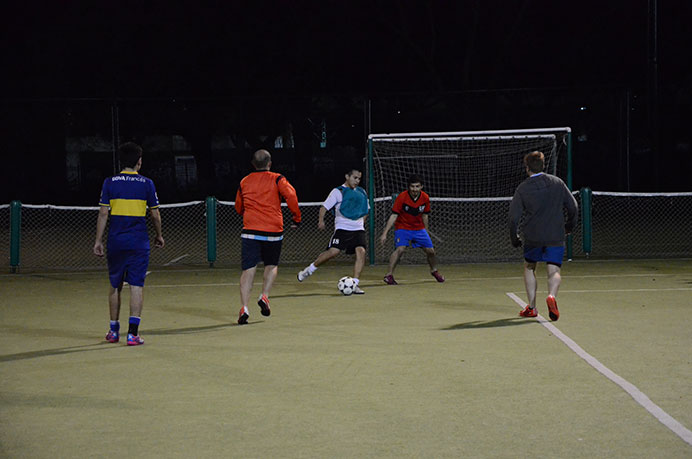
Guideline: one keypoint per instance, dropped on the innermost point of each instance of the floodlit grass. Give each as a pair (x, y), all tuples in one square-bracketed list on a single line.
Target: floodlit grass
[(416, 370)]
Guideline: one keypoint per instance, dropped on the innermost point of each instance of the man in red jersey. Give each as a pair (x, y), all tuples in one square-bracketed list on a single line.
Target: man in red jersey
[(258, 200), (410, 213)]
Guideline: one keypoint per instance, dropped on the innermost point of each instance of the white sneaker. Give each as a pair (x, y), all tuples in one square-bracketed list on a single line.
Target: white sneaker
[(358, 291), (304, 274)]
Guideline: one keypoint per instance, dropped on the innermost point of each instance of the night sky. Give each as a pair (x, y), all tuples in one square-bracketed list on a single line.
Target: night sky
[(161, 49), (164, 51)]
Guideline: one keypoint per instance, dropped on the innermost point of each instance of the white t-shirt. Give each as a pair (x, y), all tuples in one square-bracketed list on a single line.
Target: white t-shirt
[(340, 222)]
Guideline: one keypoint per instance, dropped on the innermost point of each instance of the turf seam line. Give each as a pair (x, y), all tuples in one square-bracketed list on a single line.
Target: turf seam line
[(639, 396)]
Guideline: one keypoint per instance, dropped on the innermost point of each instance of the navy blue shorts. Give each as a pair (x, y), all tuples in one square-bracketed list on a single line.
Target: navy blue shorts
[(413, 238), (127, 266), (552, 255), (253, 251)]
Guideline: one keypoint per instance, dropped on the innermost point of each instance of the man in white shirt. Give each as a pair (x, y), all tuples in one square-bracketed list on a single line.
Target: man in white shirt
[(349, 231)]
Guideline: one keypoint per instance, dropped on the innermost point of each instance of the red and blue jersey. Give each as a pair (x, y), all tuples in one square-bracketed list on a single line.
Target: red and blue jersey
[(128, 195), (411, 211)]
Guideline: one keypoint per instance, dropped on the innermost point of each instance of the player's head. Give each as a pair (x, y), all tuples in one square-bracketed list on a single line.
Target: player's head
[(415, 184), (262, 160), (353, 177), (130, 155), (534, 162)]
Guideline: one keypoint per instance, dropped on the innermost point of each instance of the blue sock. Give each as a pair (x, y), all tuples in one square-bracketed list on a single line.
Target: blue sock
[(115, 326), (134, 325)]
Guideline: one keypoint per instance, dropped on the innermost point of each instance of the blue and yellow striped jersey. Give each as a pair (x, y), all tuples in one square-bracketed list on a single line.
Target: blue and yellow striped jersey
[(128, 195)]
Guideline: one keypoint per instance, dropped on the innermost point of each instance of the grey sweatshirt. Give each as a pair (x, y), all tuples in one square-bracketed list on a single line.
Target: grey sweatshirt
[(542, 200)]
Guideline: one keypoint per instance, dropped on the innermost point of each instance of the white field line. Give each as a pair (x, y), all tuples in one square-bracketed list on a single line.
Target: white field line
[(641, 398)]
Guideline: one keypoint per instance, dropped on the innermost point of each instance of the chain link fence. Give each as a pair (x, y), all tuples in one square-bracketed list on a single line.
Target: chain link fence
[(463, 231), (642, 225)]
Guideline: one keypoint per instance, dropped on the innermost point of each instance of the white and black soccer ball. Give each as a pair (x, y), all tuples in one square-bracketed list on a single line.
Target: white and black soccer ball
[(346, 285)]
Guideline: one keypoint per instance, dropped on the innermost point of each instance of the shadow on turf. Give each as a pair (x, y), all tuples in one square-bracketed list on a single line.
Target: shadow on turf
[(58, 351), (510, 322), (183, 331)]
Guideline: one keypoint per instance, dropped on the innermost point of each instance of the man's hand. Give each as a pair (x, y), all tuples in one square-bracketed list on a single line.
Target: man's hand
[(159, 242), (320, 225), (383, 238), (98, 248), (516, 242)]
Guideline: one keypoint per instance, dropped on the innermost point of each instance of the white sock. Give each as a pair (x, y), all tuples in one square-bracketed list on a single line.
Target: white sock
[(312, 268), (356, 280)]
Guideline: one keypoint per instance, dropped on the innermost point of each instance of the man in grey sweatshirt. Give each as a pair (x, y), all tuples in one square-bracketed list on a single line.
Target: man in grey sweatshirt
[(547, 211)]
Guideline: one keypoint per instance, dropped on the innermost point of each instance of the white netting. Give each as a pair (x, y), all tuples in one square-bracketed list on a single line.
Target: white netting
[(470, 178), (458, 165)]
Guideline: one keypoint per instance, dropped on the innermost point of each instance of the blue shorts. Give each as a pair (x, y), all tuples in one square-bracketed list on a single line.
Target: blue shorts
[(254, 250), (127, 266), (552, 255), (413, 238)]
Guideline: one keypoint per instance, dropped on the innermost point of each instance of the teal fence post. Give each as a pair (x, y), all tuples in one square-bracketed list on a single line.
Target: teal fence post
[(211, 230), (569, 186), (586, 206), (371, 196), (15, 234)]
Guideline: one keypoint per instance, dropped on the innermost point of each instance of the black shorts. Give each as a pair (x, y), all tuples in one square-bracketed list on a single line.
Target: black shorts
[(253, 251), (347, 240)]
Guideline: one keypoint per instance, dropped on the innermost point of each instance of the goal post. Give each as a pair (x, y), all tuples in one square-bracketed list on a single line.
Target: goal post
[(470, 177)]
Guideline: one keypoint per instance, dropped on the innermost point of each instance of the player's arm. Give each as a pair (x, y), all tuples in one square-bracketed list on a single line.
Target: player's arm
[(239, 208), (291, 198), (390, 221), (572, 211), (320, 218), (516, 210), (156, 219), (425, 222), (100, 229)]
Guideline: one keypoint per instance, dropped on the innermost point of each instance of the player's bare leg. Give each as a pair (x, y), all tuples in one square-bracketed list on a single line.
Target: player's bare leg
[(270, 273), (246, 279), (360, 262), (114, 302), (394, 259), (530, 283), (326, 256), (136, 300), (554, 279), (432, 259)]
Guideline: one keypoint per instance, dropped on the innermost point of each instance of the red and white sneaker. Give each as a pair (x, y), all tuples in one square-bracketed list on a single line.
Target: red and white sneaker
[(438, 277), (528, 312), (552, 308), (243, 316), (263, 303)]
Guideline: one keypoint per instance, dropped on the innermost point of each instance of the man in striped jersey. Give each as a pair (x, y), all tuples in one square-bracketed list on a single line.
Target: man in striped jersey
[(127, 195)]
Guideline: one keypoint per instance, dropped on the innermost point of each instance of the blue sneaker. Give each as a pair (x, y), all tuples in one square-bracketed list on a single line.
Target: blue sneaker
[(134, 340), (113, 336)]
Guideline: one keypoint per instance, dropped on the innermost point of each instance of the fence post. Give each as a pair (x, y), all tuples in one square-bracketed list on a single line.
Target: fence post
[(15, 234), (211, 230), (586, 201)]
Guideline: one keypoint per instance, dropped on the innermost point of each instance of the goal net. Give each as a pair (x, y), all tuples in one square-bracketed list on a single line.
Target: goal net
[(470, 177)]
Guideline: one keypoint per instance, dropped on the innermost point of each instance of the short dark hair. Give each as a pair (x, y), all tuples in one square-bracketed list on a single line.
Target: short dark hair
[(351, 170), (535, 161), (129, 153), (261, 159), (414, 179)]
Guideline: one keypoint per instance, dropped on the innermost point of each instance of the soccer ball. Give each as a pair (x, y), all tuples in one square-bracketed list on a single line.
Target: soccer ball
[(346, 285)]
